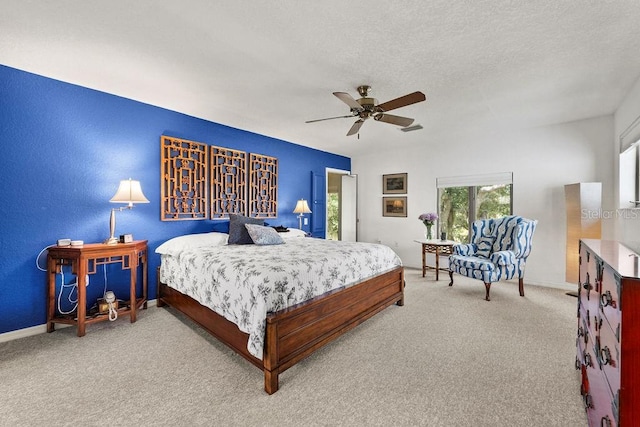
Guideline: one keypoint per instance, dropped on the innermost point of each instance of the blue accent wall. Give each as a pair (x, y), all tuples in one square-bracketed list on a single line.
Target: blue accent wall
[(67, 147)]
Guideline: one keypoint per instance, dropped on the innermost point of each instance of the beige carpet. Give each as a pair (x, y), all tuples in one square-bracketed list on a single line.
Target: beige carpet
[(447, 358)]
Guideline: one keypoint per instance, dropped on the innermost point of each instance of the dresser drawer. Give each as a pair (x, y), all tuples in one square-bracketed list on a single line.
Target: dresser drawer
[(598, 418), (587, 354), (608, 350), (584, 333), (580, 351), (609, 302), (597, 400), (589, 292)]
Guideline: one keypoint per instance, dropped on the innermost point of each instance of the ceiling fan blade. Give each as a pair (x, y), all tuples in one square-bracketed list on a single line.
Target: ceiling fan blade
[(403, 101), (330, 118), (355, 128), (348, 99), (394, 120)]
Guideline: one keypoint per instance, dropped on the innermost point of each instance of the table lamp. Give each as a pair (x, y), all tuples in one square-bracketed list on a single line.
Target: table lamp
[(129, 192), (301, 208)]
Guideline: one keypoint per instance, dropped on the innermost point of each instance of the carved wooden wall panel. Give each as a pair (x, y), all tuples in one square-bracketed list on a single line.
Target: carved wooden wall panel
[(184, 179), (263, 186), (228, 182)]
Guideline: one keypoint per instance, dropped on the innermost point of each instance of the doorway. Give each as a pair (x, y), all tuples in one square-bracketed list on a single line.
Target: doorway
[(341, 205)]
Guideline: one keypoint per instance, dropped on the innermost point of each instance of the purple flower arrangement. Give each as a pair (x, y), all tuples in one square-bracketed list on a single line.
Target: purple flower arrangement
[(428, 218)]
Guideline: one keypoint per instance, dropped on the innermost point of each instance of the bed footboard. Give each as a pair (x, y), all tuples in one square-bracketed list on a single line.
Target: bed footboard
[(296, 332)]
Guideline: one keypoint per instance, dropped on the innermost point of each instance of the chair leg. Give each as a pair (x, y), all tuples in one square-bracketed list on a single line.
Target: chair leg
[(451, 277), (521, 286), (487, 286)]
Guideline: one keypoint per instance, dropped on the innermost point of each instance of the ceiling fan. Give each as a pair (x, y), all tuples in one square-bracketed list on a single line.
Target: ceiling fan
[(366, 107)]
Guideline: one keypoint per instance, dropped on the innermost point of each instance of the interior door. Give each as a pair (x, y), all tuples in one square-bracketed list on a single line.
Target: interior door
[(318, 205), (348, 208)]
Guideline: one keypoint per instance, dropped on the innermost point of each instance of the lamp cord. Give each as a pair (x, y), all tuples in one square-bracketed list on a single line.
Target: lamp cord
[(39, 255), (63, 285), (74, 302)]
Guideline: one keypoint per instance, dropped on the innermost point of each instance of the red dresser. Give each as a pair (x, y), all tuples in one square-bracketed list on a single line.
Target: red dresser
[(608, 343)]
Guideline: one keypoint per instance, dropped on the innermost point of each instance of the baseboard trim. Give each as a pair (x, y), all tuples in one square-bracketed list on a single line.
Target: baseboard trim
[(23, 333), (41, 329), (565, 286)]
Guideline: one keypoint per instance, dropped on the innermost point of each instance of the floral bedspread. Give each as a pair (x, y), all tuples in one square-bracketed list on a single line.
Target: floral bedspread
[(245, 282)]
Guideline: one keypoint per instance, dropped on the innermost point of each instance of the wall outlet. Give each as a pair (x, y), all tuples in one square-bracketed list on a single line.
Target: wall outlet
[(306, 221)]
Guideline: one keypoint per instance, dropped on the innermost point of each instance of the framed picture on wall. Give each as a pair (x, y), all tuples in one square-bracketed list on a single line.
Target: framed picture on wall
[(394, 206), (394, 183)]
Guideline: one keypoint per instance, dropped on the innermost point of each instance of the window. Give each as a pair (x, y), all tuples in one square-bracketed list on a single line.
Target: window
[(629, 177), (629, 166), (462, 200)]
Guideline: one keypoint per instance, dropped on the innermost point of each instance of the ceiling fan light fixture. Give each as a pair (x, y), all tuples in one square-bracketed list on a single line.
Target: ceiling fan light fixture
[(367, 102)]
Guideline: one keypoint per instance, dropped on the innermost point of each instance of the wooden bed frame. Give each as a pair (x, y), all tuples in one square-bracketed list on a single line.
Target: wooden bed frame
[(295, 332)]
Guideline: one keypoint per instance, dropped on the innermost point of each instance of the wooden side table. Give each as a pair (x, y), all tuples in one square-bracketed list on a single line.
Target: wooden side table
[(84, 260), (438, 248)]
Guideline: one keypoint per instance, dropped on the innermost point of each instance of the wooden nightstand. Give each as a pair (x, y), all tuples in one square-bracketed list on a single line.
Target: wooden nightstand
[(438, 248), (83, 261)]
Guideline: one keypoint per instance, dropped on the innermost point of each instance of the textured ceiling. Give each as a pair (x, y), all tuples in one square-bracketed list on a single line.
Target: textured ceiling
[(267, 66)]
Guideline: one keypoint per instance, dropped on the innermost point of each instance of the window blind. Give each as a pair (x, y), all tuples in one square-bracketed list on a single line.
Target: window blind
[(499, 178)]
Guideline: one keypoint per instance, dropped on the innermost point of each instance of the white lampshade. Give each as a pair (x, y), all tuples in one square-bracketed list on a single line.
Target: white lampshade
[(302, 207), (129, 192)]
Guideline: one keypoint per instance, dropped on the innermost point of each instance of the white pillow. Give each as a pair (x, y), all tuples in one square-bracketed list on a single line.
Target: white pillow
[(293, 233), (189, 241)]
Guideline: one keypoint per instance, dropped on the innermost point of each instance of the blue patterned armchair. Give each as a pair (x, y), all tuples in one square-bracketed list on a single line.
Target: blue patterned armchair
[(498, 251)]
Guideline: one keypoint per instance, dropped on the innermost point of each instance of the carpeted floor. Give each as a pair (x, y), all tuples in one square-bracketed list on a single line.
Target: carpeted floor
[(447, 358)]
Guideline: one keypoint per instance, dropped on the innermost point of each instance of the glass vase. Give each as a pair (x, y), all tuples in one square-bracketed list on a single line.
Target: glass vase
[(427, 233)]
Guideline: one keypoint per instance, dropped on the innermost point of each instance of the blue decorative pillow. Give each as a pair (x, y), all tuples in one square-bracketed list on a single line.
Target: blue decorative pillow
[(484, 245), (262, 235), (238, 234)]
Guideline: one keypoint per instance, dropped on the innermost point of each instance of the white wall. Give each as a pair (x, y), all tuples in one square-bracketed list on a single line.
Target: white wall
[(627, 221), (542, 160)]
